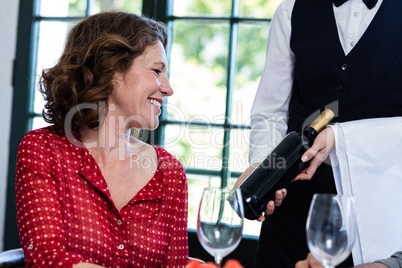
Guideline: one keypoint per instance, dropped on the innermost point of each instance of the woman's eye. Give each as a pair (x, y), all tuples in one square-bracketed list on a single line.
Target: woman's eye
[(157, 71)]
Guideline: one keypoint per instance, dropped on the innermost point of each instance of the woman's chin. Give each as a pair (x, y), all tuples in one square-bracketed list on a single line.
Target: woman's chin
[(144, 124), (152, 126)]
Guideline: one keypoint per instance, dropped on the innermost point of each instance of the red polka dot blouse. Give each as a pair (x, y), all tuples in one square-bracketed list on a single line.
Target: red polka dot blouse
[(65, 213)]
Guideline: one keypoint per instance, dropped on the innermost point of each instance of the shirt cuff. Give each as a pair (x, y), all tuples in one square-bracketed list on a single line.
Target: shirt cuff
[(334, 154)]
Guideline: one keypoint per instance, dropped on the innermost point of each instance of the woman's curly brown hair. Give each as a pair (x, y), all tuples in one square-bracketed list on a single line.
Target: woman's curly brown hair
[(96, 48)]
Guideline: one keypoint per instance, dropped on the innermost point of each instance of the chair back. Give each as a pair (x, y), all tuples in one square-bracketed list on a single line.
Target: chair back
[(12, 258)]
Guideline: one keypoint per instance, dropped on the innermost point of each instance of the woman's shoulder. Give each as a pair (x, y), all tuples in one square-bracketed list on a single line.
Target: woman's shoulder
[(39, 135), (38, 145), (172, 171), (45, 137), (167, 161), (164, 154)]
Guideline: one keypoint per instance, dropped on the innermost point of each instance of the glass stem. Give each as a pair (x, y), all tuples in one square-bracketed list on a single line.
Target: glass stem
[(218, 262)]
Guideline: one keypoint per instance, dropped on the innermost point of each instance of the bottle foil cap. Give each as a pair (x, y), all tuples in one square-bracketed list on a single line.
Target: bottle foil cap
[(323, 120)]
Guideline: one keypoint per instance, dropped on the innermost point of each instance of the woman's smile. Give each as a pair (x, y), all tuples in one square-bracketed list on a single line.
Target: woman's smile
[(156, 102)]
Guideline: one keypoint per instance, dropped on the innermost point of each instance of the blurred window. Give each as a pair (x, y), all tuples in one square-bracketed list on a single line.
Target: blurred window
[(216, 54)]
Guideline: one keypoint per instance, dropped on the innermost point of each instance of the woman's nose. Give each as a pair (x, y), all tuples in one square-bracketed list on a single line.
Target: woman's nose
[(165, 87)]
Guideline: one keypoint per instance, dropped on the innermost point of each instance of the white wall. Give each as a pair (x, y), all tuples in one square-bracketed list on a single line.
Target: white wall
[(8, 37)]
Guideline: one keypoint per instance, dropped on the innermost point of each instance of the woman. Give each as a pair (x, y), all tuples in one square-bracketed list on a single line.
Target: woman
[(88, 193)]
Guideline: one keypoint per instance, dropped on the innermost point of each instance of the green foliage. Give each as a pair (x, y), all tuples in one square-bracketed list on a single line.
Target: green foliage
[(206, 42), (78, 7), (216, 7), (250, 55), (258, 8)]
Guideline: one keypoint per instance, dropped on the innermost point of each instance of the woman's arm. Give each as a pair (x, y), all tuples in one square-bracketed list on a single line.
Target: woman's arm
[(177, 251), (39, 216)]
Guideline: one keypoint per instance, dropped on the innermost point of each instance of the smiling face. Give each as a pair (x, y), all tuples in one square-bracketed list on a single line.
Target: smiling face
[(138, 93)]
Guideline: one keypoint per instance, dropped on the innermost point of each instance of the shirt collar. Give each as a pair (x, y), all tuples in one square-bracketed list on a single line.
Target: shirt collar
[(369, 3)]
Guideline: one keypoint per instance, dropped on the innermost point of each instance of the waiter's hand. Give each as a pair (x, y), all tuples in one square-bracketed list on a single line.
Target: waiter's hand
[(310, 262), (279, 196), (269, 209), (324, 143)]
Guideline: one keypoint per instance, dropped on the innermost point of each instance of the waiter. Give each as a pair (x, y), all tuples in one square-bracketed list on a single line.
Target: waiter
[(345, 55)]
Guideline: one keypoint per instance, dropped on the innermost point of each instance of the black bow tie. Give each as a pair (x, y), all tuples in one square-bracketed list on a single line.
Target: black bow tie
[(369, 3)]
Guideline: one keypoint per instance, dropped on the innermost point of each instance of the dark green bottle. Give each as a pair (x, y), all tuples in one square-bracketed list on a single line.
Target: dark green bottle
[(280, 167)]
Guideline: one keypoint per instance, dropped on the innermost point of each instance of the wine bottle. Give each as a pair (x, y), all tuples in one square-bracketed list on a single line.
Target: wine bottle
[(280, 167)]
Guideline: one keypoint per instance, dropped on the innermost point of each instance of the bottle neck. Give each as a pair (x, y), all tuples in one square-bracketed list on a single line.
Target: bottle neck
[(310, 133), (318, 125)]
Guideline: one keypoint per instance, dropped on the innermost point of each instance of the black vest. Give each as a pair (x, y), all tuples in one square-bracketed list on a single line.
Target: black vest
[(367, 83)]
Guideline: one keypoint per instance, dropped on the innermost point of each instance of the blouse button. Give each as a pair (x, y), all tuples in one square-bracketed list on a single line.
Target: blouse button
[(121, 246), (119, 222)]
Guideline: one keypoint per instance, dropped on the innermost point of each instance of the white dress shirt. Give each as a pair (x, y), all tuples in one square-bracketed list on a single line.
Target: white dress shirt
[(367, 164), (374, 146), (269, 114)]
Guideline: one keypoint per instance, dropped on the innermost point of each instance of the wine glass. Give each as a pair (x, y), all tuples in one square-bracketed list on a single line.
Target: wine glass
[(331, 228), (220, 221)]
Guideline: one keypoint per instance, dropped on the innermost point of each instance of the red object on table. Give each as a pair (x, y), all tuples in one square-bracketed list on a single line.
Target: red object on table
[(228, 264)]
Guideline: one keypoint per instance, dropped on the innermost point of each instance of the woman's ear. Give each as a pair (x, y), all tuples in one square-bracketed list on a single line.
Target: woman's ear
[(118, 79)]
